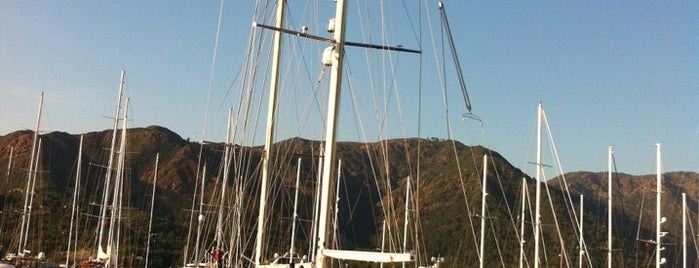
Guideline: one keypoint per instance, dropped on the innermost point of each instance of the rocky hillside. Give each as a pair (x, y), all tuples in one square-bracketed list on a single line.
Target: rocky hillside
[(445, 199)]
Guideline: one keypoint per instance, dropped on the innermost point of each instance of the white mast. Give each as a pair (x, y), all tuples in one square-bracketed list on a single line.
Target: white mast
[(537, 216), (383, 239), (338, 54), (237, 243), (659, 220), (337, 202), (31, 194), (336, 207), (115, 218), (580, 240), (224, 183), (296, 215), (75, 199), (200, 218), (483, 195), (105, 195), (152, 203), (407, 214), (610, 155), (684, 230), (25, 221), (521, 228), (271, 110), (316, 207)]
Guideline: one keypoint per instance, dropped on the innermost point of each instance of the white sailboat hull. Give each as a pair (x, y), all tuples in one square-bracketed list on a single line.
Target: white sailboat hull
[(368, 256)]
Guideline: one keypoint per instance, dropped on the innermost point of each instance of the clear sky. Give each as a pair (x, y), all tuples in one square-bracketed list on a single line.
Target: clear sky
[(609, 73)]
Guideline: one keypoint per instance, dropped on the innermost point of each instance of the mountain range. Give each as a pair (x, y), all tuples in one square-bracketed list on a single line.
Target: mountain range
[(445, 202)]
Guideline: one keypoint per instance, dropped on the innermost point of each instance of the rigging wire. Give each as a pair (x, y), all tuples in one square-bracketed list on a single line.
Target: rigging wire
[(203, 131), (496, 171), (442, 78), (417, 227), (380, 124), (573, 217), (564, 253), (531, 219)]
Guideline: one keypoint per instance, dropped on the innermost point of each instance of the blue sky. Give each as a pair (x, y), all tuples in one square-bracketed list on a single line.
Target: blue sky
[(625, 74)]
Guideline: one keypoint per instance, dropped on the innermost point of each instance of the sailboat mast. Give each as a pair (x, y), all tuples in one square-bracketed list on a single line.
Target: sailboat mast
[(684, 230), (331, 127), (580, 240), (152, 203), (407, 214), (383, 239), (610, 155), (22, 240), (269, 133), (296, 215), (110, 165), (200, 219), (337, 203), (31, 194), (483, 195), (521, 228), (316, 207), (115, 217), (537, 215), (658, 218), (224, 183), (75, 199)]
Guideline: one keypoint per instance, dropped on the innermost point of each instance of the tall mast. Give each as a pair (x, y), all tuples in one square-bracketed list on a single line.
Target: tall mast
[(269, 133), (483, 195), (338, 54), (336, 208), (537, 215), (521, 228), (580, 239), (383, 239), (105, 195), (236, 244), (337, 203), (115, 218), (200, 219), (152, 203), (407, 214), (610, 159), (75, 199), (224, 183), (659, 220), (30, 172), (684, 230), (31, 194), (296, 215), (316, 207)]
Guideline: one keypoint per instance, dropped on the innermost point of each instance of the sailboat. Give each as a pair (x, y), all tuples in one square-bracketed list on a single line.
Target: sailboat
[(75, 202), (575, 220), (333, 57), (323, 246), (24, 256), (107, 247)]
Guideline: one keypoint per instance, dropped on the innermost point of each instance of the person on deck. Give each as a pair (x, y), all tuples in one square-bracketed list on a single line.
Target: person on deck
[(217, 257)]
